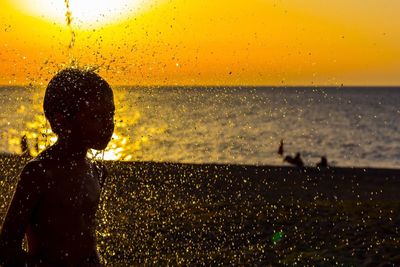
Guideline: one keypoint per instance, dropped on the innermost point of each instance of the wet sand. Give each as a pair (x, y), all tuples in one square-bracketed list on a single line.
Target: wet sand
[(187, 214)]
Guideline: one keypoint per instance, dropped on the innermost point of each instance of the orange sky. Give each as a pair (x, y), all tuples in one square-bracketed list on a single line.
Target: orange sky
[(221, 42)]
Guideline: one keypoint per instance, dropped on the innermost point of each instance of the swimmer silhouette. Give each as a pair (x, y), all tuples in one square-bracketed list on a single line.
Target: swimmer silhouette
[(323, 163), (58, 192), (280, 149), (24, 146), (297, 161)]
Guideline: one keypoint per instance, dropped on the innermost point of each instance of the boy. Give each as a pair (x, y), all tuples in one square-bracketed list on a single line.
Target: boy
[(56, 198)]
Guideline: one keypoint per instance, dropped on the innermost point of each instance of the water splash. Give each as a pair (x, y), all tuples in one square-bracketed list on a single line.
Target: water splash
[(68, 18)]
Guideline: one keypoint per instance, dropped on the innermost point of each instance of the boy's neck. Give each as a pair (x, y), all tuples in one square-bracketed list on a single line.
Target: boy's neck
[(71, 149)]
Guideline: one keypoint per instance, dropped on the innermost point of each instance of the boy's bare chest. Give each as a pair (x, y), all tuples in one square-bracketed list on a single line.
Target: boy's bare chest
[(74, 191)]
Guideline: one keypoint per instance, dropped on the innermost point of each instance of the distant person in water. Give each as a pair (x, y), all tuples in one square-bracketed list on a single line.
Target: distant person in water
[(297, 161), (24, 146), (58, 192), (323, 163), (37, 145), (280, 149)]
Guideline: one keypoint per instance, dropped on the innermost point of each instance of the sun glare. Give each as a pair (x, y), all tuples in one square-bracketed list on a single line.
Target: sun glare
[(85, 13)]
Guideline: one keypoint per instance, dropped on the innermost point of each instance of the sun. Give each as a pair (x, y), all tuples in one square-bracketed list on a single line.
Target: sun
[(85, 13)]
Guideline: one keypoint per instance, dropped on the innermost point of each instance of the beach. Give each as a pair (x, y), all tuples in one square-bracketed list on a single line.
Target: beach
[(219, 214)]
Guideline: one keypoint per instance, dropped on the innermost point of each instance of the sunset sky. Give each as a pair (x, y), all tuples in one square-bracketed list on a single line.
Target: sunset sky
[(198, 42)]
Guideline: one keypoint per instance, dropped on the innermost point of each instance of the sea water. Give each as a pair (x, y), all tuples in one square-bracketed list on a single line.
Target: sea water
[(239, 125)]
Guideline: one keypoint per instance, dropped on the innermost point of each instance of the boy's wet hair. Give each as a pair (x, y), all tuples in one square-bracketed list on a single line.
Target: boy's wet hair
[(68, 90)]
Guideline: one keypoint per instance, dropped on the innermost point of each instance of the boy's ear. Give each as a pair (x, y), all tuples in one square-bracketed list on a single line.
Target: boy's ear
[(61, 125)]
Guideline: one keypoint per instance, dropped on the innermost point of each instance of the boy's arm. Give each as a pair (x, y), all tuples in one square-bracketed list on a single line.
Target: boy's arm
[(19, 213)]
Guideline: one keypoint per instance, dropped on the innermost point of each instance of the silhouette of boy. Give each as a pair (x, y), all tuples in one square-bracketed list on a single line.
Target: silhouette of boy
[(56, 198)]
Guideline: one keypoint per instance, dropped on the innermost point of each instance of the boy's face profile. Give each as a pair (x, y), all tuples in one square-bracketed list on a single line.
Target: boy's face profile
[(94, 122)]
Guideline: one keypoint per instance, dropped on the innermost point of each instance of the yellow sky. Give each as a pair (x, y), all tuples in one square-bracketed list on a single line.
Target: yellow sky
[(219, 42)]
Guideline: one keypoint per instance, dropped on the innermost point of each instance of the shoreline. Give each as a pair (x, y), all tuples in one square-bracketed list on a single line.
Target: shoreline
[(357, 169), (332, 183)]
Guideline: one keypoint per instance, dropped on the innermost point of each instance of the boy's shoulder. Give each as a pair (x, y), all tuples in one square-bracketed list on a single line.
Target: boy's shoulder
[(42, 167), (43, 162), (35, 175), (46, 155), (49, 159)]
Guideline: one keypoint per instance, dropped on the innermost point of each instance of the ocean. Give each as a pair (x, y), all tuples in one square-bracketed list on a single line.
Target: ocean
[(354, 126)]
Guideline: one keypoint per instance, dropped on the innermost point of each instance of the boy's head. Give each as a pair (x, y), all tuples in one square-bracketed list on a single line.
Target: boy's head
[(79, 104)]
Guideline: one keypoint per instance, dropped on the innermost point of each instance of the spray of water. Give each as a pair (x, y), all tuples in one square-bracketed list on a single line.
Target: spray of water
[(68, 18)]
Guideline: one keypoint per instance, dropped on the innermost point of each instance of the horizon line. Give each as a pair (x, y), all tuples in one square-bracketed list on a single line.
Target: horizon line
[(225, 86)]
